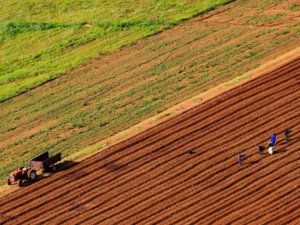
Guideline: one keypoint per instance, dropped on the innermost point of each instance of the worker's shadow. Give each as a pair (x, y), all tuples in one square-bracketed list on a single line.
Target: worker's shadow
[(261, 157), (291, 140), (284, 142), (266, 154), (294, 139), (252, 162), (279, 151)]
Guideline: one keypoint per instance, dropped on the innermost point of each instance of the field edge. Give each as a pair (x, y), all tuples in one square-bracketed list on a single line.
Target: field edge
[(184, 106), (172, 112)]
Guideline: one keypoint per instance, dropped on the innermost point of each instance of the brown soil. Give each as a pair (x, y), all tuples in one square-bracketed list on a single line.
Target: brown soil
[(151, 178)]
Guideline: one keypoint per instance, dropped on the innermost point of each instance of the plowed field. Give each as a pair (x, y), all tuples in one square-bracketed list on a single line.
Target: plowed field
[(152, 179)]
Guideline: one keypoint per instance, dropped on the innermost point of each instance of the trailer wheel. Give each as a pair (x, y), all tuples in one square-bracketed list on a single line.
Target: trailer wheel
[(31, 175)]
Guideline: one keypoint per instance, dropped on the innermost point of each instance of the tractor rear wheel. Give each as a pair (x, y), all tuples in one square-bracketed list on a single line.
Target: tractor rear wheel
[(31, 175)]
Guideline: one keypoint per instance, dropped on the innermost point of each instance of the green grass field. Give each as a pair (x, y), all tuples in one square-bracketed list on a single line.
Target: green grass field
[(41, 40)]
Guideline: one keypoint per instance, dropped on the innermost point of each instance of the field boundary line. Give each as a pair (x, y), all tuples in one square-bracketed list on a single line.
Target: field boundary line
[(175, 110), (184, 106)]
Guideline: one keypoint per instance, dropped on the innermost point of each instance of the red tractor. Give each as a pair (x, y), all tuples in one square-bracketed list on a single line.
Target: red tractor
[(21, 174), (41, 162)]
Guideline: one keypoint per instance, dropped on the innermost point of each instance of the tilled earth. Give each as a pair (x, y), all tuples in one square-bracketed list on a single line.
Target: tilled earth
[(184, 171)]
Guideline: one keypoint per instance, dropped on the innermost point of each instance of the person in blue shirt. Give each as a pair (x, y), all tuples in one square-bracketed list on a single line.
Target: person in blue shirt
[(273, 139)]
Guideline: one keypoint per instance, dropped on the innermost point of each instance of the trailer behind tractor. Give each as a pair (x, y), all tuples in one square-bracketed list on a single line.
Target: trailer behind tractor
[(40, 163)]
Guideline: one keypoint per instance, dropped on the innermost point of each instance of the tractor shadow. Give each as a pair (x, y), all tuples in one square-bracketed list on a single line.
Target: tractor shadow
[(61, 166), (41, 175), (67, 164)]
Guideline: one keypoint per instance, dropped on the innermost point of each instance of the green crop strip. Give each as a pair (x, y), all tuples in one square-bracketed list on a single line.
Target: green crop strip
[(40, 41)]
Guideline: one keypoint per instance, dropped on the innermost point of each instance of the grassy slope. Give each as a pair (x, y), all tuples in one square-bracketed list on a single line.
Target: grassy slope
[(119, 90), (40, 40)]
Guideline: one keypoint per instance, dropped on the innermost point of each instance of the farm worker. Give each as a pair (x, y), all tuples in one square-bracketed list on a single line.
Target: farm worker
[(287, 134), (273, 139), (240, 158), (260, 149), (271, 148)]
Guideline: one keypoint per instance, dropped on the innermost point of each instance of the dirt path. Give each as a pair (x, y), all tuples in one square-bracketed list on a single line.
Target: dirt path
[(151, 178)]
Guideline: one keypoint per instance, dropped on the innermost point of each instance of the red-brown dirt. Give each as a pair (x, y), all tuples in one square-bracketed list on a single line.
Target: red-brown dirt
[(151, 178)]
